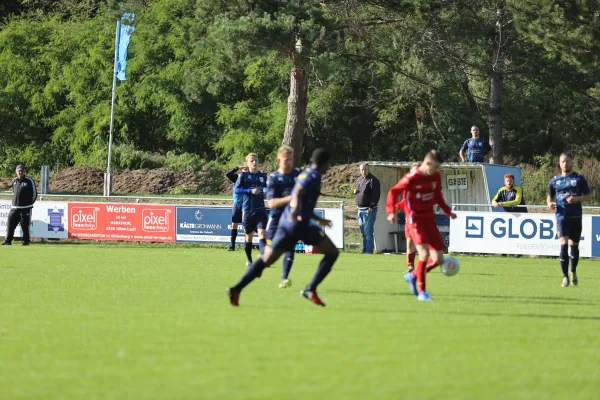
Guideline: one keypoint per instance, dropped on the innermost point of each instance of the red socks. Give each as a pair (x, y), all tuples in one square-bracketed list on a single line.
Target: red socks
[(419, 273), (410, 259), (431, 265)]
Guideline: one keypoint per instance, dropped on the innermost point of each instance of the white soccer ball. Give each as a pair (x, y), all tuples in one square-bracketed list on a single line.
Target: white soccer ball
[(450, 266)]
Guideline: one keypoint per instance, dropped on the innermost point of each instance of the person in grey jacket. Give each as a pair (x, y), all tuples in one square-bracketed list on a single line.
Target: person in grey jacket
[(24, 195), (367, 194)]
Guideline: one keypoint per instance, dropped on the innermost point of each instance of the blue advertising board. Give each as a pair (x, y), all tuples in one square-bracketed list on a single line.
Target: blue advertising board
[(204, 224)]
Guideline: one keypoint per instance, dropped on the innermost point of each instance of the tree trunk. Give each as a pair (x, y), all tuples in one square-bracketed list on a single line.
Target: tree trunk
[(295, 124), (495, 118), (496, 81)]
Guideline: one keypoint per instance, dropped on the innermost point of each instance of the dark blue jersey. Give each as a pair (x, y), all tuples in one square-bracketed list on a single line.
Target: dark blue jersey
[(562, 187), (281, 185), (243, 186), (310, 180), (476, 149)]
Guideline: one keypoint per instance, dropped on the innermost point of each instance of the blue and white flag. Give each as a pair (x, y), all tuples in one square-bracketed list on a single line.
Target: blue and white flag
[(126, 28)]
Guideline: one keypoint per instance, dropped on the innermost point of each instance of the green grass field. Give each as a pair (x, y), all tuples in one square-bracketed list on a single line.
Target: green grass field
[(125, 322)]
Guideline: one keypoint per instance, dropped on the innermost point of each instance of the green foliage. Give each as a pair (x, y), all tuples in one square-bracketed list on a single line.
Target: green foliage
[(209, 79)]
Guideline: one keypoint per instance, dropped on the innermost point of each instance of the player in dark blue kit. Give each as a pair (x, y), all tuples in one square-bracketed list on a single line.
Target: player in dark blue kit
[(279, 190), (476, 149), (565, 194), (236, 211), (251, 184), (295, 225)]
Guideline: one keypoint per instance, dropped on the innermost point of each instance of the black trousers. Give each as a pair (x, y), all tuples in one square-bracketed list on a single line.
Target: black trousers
[(16, 216)]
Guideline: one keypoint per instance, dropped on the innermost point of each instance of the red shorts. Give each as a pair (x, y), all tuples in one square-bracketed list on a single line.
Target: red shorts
[(426, 232)]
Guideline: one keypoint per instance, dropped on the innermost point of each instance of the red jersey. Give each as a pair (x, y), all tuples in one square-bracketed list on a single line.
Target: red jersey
[(421, 193)]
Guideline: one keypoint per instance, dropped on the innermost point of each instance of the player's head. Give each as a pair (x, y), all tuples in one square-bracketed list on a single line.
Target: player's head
[(509, 180), (252, 162), (20, 170), (320, 159), (364, 169), (431, 163), (285, 158), (475, 131), (566, 162), (415, 166)]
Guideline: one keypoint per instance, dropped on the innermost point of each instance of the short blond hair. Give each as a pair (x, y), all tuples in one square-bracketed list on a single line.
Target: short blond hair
[(285, 149)]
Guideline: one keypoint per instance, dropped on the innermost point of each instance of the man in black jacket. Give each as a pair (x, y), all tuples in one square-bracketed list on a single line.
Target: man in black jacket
[(367, 194), (24, 195)]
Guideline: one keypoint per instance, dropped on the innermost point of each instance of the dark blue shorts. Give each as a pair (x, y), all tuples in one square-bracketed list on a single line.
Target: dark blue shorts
[(236, 214), (288, 234), (570, 227), (254, 220)]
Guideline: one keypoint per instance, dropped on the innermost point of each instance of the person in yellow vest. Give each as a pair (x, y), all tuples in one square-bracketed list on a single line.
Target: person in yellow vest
[(510, 196)]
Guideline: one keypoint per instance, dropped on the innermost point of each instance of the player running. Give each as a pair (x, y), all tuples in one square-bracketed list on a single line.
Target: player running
[(279, 189), (423, 190), (236, 210), (565, 194), (251, 184), (411, 250), (295, 225)]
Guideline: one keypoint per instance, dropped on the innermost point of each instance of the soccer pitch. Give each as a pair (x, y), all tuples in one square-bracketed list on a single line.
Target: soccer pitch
[(141, 322)]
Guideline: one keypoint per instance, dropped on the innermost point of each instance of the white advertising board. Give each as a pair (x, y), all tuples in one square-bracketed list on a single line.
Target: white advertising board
[(528, 234), (48, 219)]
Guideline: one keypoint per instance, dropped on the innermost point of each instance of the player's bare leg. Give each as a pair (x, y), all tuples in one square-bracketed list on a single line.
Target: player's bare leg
[(436, 258), (248, 237), (330, 254), (255, 271), (574, 256)]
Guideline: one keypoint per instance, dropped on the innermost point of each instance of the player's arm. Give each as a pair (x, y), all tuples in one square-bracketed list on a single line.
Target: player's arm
[(240, 185), (517, 200), (585, 190), (34, 191), (394, 192), (322, 221), (272, 201), (439, 197), (375, 193), (232, 175), (462, 151), (551, 196), (295, 201), (495, 201), (488, 148)]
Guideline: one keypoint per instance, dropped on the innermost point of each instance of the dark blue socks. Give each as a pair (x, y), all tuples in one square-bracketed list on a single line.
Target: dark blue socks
[(324, 269), (253, 272), (248, 249), (234, 233), (288, 260), (261, 245), (564, 259), (574, 258)]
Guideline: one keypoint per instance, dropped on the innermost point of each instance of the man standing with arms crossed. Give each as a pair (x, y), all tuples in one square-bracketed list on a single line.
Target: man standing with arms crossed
[(24, 195), (367, 195), (565, 194)]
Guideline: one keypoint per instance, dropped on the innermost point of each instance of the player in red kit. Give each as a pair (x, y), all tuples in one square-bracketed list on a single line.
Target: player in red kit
[(411, 250), (422, 189)]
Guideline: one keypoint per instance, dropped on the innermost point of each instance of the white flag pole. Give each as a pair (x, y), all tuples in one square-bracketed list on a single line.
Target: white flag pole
[(108, 177)]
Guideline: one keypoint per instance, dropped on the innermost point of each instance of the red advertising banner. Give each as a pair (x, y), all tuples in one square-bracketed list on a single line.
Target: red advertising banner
[(120, 221)]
